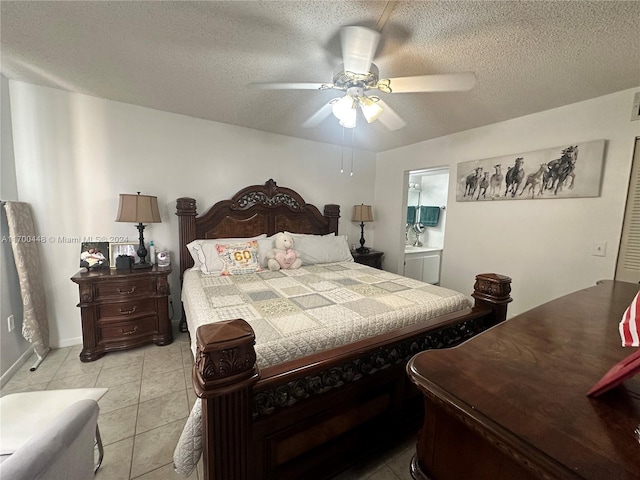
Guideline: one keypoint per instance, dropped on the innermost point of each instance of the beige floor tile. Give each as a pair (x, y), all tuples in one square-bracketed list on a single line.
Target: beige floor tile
[(187, 354), (55, 356), (120, 396), (72, 367), (116, 464), (385, 473), (362, 470), (118, 424), (111, 377), (158, 365), (166, 473), (125, 357), (17, 387), (44, 373), (154, 449), (75, 351), (162, 351), (400, 463), (161, 411), (157, 386), (87, 380)]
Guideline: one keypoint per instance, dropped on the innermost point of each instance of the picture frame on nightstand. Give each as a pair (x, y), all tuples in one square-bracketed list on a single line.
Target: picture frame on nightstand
[(94, 255), (124, 248)]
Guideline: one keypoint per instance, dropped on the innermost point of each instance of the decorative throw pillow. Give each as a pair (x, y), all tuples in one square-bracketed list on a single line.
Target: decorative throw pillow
[(205, 255), (239, 258)]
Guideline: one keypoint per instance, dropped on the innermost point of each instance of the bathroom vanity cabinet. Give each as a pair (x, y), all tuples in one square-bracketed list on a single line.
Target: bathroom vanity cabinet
[(422, 263)]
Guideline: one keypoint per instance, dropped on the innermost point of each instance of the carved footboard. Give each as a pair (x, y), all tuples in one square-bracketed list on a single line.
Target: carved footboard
[(310, 417)]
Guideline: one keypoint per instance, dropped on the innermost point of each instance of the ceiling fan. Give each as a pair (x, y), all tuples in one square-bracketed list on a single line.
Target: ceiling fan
[(358, 76)]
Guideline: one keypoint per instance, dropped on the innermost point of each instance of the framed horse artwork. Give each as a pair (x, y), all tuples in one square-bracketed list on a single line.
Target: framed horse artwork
[(568, 171)]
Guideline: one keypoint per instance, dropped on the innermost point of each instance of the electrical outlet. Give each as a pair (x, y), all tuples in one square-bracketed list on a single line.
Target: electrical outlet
[(599, 249), (11, 323)]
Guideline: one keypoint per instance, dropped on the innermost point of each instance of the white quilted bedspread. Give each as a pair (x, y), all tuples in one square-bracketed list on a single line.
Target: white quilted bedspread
[(295, 313)]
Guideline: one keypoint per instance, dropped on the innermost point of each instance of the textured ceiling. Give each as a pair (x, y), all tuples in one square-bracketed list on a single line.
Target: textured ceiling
[(196, 58)]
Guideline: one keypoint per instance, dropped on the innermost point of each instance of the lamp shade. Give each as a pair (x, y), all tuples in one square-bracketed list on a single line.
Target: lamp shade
[(362, 213), (138, 209)]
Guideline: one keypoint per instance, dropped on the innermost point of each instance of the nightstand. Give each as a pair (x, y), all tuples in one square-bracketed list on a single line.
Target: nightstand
[(373, 258), (123, 309)]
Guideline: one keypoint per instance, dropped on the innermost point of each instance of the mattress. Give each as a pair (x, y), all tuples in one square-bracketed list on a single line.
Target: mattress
[(295, 313)]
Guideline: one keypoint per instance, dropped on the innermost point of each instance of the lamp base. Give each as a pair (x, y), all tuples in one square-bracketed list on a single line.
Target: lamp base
[(141, 265), (363, 250)]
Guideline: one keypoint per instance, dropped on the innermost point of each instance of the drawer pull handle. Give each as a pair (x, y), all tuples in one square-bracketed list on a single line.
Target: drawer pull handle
[(126, 292), (128, 312), (129, 332)]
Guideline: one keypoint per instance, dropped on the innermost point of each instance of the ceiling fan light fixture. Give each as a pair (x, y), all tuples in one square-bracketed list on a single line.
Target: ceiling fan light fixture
[(370, 109), (349, 119), (342, 108)]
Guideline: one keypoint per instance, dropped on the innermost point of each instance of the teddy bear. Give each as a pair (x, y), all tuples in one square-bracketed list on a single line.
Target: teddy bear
[(283, 255)]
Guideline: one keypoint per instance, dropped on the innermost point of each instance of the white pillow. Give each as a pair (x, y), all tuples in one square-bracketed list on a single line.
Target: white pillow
[(195, 249), (265, 245), (329, 248)]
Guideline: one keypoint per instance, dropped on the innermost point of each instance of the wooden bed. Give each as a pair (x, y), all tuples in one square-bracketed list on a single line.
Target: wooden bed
[(313, 416)]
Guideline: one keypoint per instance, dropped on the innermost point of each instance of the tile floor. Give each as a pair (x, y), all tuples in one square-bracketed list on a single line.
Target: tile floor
[(143, 413)]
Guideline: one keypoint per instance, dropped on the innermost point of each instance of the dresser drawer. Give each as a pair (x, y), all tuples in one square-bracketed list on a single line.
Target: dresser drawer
[(121, 290), (124, 310), (127, 330)]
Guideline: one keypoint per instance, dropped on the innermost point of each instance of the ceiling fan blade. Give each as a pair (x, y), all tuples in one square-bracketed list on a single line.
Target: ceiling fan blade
[(390, 118), (359, 45), (290, 86), (448, 82), (315, 119)]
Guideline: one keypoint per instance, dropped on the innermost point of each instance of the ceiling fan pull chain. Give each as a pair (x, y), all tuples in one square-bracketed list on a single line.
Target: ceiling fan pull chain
[(342, 154), (353, 142)]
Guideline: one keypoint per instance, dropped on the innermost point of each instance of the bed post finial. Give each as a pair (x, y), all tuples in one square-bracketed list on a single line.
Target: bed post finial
[(270, 187), (186, 210), (492, 290), (223, 375), (332, 213)]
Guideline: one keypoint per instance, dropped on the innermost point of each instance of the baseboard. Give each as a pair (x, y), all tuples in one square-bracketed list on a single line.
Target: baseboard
[(6, 376), (69, 342)]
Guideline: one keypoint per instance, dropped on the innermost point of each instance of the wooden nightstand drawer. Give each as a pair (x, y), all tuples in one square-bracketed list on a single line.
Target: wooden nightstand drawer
[(373, 258), (123, 310), (113, 290), (127, 330)]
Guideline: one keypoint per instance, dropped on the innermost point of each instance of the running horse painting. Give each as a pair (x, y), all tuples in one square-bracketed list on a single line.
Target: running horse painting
[(514, 177), (560, 169), (548, 173)]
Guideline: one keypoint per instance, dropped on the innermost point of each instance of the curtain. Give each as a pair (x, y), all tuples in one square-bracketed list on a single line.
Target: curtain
[(35, 325)]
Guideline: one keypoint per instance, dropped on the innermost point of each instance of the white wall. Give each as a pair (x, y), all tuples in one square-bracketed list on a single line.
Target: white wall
[(75, 154), (544, 245), (12, 344), (435, 186)]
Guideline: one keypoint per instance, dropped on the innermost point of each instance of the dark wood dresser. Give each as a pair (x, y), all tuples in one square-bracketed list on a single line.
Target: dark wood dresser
[(373, 258), (512, 403), (123, 309)]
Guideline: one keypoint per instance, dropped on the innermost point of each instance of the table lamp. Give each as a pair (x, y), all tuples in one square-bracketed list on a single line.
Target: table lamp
[(139, 209), (362, 213)]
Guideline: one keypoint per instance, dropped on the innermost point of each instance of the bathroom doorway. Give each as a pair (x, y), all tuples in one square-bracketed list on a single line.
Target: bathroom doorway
[(424, 227)]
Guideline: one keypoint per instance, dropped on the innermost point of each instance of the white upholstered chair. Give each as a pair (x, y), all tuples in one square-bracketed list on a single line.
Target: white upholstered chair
[(47, 433)]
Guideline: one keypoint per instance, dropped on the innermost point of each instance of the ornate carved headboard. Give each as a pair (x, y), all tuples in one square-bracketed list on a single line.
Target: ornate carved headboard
[(253, 210)]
